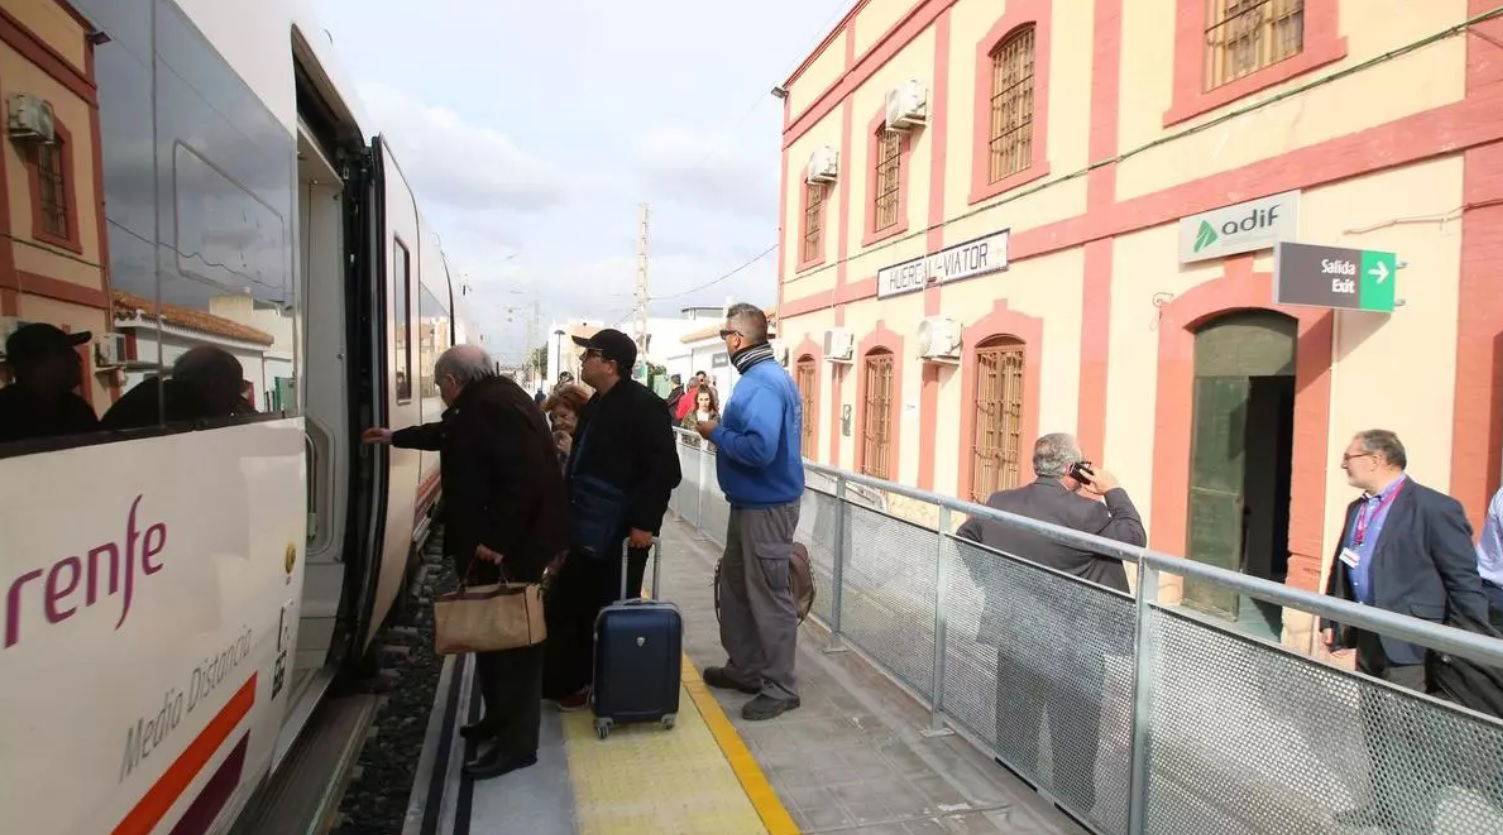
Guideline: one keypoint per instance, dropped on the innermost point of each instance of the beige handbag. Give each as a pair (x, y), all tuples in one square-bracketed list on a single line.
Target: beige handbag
[(489, 618)]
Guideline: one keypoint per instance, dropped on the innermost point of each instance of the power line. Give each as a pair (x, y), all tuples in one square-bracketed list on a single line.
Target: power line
[(763, 254)]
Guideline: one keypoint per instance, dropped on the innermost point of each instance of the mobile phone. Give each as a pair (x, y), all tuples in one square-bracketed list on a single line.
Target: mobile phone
[(1080, 471)]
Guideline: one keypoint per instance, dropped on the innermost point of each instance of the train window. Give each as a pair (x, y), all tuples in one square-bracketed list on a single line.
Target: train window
[(190, 321), (401, 321), (433, 338)]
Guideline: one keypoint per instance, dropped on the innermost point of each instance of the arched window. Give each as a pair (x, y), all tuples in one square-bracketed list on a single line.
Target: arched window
[(1010, 138), (814, 204), (997, 439), (876, 424), (804, 376)]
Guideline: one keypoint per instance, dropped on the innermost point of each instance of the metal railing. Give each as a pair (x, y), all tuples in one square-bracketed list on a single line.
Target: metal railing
[(1131, 712)]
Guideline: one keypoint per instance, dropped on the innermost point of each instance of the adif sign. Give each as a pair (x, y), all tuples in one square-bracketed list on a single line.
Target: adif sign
[(1244, 227)]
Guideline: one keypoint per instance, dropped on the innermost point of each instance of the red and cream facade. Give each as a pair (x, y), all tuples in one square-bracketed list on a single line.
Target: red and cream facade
[(1092, 327)]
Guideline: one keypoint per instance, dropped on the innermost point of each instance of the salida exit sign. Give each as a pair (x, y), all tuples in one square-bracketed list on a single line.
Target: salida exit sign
[(1328, 276)]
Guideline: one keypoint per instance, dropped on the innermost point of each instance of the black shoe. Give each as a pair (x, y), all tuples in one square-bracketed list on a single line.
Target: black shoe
[(484, 729), (766, 707), (496, 762), (718, 677)]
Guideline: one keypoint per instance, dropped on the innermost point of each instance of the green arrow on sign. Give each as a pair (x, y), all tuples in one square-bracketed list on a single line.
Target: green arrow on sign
[(1379, 276)]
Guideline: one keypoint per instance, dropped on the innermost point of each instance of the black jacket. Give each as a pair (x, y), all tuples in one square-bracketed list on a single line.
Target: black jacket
[(626, 439), (1047, 500), (501, 483), (1424, 564)]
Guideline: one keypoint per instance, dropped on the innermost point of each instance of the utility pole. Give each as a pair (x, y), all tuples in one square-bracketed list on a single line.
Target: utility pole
[(640, 312)]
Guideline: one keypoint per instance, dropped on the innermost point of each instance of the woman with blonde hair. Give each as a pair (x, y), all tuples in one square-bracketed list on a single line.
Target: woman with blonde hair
[(563, 408)]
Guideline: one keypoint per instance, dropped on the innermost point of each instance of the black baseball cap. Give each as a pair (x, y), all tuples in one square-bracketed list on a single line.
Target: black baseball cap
[(40, 340), (613, 345)]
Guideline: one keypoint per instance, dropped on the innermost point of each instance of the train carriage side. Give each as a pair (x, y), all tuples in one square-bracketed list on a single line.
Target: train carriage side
[(192, 551)]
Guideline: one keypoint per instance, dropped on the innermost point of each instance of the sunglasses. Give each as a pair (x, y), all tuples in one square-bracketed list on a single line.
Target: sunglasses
[(725, 332)]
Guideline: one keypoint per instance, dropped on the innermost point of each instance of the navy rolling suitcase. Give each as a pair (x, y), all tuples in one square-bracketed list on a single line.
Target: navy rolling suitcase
[(637, 658)]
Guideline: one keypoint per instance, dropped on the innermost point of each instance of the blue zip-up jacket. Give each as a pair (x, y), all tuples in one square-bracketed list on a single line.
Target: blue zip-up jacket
[(757, 455)]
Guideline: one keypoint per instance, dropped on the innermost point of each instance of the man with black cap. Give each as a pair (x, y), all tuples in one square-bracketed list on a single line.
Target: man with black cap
[(41, 402), (621, 470)]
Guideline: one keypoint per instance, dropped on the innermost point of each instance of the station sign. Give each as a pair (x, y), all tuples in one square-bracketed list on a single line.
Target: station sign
[(1329, 276), (980, 256), (1243, 227), (720, 359)]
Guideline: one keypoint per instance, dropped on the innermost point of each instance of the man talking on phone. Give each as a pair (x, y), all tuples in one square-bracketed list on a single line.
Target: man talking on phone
[(1060, 676)]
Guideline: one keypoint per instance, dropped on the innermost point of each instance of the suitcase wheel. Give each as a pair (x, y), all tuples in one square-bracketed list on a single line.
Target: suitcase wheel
[(668, 721), (602, 728)]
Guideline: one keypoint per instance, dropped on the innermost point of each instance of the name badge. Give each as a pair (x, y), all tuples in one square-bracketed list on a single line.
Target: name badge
[(1350, 557)]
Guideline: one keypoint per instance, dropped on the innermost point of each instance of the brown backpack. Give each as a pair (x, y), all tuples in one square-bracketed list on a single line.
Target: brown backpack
[(800, 582)]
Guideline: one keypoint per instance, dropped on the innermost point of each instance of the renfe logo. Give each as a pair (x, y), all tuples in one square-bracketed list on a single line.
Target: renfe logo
[(57, 585)]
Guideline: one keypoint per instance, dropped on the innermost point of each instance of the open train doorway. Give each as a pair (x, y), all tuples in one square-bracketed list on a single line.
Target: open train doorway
[(1242, 441)]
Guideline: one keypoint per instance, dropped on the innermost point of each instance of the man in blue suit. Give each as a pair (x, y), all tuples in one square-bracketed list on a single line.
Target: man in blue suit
[(1408, 549)]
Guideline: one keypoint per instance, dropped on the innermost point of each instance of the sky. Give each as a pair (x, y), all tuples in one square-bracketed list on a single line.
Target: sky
[(531, 132)]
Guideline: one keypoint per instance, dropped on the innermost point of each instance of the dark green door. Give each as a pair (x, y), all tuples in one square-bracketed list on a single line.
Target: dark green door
[(1230, 353), (1218, 454)]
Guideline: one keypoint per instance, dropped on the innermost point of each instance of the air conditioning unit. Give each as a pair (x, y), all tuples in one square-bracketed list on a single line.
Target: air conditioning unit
[(824, 165), (840, 345), (30, 118), (110, 350), (779, 351), (907, 106), (939, 338)]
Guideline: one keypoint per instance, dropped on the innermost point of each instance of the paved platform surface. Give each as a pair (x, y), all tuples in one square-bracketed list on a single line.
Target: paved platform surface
[(853, 758)]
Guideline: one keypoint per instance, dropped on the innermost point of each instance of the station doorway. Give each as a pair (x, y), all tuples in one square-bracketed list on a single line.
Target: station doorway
[(1242, 440)]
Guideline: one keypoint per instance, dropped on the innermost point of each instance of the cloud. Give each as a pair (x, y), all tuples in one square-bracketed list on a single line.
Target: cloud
[(458, 163), (707, 170)]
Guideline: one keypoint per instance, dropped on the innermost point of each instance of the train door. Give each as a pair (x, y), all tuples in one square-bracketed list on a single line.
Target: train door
[(399, 245), (321, 251)]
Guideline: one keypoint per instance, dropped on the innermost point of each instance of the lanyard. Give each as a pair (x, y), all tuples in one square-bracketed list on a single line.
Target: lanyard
[(1363, 516)]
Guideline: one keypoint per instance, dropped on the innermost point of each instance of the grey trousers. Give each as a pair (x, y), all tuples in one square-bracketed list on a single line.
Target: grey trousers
[(758, 619)]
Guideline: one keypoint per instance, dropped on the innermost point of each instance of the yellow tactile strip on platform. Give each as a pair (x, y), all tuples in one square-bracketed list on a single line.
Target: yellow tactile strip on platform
[(644, 779)]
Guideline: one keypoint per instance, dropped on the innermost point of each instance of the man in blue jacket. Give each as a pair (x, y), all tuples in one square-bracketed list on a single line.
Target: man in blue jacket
[(762, 475)]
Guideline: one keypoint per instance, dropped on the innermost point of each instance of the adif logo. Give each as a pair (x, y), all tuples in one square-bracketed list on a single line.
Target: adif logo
[(1205, 236)]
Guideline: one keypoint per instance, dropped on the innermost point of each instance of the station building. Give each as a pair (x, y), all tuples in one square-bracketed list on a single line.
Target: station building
[(1001, 219)]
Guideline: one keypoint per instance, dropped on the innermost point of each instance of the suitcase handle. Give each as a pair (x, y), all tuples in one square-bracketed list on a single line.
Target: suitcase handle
[(657, 557)]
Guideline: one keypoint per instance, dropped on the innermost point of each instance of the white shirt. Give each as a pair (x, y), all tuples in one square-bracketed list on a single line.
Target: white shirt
[(1490, 548)]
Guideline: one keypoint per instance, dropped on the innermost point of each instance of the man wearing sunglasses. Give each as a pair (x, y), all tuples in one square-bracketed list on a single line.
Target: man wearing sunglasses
[(761, 471)]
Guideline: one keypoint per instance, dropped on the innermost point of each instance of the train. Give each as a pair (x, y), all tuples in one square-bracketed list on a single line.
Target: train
[(179, 591)]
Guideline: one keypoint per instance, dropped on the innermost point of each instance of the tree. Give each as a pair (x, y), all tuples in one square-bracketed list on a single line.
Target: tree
[(539, 360)]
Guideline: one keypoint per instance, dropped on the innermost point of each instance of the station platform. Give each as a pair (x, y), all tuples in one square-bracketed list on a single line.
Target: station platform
[(853, 758)]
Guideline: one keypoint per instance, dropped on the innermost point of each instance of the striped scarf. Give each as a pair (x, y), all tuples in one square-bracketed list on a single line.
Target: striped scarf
[(748, 357)]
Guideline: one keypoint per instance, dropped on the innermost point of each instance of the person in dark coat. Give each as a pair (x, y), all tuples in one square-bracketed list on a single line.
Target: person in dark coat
[(1029, 663), (1408, 549), (624, 439), (504, 517), (42, 401), (205, 384)]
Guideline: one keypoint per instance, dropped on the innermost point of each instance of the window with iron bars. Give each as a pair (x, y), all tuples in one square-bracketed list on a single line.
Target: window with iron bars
[(889, 180), (1011, 135), (814, 202), (1244, 36), (803, 377), (997, 439), (53, 186), (876, 429)]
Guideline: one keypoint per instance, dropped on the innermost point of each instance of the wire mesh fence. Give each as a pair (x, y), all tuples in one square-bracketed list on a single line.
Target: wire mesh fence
[(1133, 715)]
